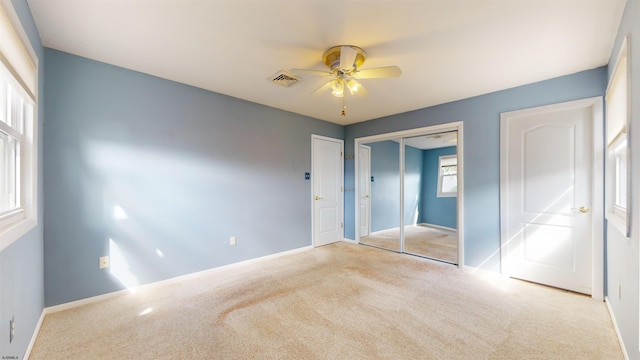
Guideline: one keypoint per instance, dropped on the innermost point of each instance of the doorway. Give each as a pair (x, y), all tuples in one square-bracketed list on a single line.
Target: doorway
[(399, 205)]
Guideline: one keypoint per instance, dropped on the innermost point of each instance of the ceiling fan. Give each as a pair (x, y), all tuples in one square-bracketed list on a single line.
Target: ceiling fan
[(344, 63)]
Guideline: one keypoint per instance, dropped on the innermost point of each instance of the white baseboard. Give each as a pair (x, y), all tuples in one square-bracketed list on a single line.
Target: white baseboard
[(615, 326), (438, 227), (351, 241), (94, 299), (34, 336)]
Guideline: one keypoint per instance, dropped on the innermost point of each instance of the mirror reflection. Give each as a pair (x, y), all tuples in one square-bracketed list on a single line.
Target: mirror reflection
[(429, 194), (430, 189), (380, 195)]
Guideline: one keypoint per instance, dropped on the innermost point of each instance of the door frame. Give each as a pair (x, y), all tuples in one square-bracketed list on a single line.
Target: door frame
[(311, 195), (357, 178), (452, 126), (597, 191)]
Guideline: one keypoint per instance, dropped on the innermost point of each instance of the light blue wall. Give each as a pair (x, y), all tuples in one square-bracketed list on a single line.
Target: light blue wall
[(191, 168), (436, 210), (188, 167), (21, 264), (481, 117), (622, 253), (412, 184), (385, 189)]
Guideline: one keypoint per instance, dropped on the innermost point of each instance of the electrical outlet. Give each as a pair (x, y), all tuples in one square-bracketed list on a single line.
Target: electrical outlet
[(104, 262), (619, 291), (12, 329), (232, 241)]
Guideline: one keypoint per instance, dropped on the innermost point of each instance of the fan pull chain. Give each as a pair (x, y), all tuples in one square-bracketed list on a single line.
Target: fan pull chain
[(344, 106)]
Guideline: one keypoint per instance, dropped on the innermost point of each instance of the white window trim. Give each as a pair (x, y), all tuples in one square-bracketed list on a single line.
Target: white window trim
[(440, 177), (618, 216), (16, 224)]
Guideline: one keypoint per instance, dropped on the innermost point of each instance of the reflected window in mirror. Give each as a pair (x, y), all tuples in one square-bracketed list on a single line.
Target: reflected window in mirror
[(448, 176)]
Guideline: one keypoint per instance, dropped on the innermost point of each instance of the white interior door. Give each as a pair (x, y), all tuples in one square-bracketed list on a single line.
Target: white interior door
[(364, 188), (327, 179), (547, 184)]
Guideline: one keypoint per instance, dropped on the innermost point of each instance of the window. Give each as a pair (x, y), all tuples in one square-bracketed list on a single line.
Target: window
[(18, 168), (448, 176), (617, 160), (619, 155)]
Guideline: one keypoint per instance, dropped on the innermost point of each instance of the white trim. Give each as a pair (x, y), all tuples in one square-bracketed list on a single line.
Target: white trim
[(438, 227), (177, 279), (622, 218), (350, 241), (616, 328), (401, 194), (441, 176), (341, 205), (597, 203), (34, 336), (357, 169), (452, 126), (13, 229), (11, 233)]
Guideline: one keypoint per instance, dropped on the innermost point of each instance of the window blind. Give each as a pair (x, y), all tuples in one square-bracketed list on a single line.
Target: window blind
[(15, 55)]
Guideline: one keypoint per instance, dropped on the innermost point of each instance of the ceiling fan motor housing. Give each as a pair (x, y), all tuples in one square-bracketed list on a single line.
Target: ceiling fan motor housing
[(331, 58)]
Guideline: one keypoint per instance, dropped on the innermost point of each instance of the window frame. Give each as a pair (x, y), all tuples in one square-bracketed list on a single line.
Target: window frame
[(618, 99), (441, 175), (16, 223)]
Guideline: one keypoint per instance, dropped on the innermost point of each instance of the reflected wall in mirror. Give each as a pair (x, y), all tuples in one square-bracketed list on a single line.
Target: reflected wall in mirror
[(414, 210), (379, 184), (430, 204)]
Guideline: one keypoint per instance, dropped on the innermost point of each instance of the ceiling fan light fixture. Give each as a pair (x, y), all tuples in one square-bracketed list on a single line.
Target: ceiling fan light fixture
[(353, 86), (343, 62), (337, 87)]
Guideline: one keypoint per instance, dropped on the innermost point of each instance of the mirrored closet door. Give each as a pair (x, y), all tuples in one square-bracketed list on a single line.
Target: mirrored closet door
[(413, 178), (379, 196), (430, 184)]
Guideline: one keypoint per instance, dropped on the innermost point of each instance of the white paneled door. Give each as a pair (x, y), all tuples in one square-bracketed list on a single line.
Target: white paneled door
[(364, 188), (546, 196), (327, 180)]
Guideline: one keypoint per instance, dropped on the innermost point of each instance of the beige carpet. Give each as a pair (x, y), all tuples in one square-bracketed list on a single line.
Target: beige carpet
[(431, 242), (340, 301)]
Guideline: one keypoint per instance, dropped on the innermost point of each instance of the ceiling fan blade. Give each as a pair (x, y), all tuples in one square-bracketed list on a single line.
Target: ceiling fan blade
[(347, 57), (376, 73), (309, 72), (362, 92), (327, 86)]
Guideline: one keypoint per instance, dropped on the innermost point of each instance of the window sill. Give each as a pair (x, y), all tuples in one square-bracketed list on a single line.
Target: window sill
[(615, 221), (13, 232)]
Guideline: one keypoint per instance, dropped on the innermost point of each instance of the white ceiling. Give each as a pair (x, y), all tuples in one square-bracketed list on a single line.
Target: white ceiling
[(447, 50), (433, 141)]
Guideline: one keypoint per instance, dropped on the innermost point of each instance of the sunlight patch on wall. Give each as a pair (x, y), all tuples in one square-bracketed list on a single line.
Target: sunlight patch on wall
[(120, 268), (119, 213)]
